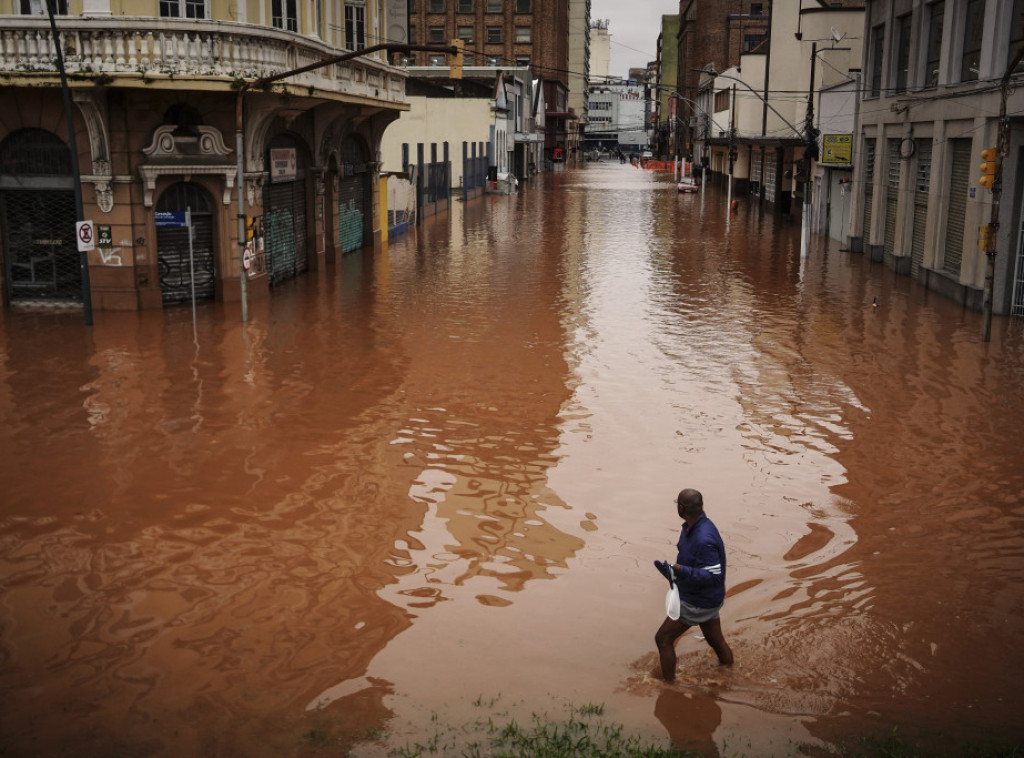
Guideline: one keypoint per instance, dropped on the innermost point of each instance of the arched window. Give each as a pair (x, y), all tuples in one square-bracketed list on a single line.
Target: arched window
[(35, 152)]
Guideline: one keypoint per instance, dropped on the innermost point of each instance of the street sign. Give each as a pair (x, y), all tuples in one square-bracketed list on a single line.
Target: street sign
[(86, 234), (170, 218), (247, 257), (104, 236)]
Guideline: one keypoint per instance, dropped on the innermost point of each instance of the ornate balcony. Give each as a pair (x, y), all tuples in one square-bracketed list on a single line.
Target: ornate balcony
[(162, 53)]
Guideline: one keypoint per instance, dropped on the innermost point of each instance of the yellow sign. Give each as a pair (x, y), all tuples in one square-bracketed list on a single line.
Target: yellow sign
[(836, 148)]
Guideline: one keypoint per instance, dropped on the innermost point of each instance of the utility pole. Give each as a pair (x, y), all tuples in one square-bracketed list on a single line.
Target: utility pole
[(732, 146), (810, 155), (1002, 145)]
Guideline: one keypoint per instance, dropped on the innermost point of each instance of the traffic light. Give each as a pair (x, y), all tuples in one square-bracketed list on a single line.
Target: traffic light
[(985, 238), (455, 60), (988, 167)]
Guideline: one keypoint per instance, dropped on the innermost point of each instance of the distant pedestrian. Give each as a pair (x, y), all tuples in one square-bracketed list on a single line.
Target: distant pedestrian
[(699, 573)]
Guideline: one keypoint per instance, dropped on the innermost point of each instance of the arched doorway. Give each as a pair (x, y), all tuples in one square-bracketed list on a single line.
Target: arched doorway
[(37, 218), (353, 195), (180, 268), (284, 210)]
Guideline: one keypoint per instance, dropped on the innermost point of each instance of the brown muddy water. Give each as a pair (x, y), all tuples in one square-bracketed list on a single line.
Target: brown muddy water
[(426, 490)]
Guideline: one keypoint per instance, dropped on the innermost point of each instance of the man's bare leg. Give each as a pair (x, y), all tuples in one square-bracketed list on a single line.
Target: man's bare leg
[(713, 634), (665, 638)]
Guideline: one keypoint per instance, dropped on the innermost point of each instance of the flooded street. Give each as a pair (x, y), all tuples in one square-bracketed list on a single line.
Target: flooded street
[(428, 488)]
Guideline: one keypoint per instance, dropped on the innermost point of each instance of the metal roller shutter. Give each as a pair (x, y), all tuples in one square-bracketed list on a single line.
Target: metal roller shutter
[(922, 182), (892, 194), (351, 213), (869, 187), (959, 179), (284, 228)]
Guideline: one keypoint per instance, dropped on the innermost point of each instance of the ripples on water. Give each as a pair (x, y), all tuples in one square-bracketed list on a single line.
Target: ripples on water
[(442, 472)]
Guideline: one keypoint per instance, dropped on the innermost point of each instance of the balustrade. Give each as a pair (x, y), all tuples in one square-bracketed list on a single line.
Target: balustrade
[(158, 47)]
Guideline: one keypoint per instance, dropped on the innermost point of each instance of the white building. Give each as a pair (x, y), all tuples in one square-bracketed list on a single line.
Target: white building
[(616, 117)]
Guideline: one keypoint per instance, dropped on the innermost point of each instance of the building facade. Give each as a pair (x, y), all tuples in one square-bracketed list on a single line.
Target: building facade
[(617, 120), (937, 76), (165, 119), (506, 33), (711, 33)]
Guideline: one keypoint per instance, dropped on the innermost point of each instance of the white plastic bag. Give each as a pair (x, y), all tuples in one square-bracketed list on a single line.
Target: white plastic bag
[(672, 602)]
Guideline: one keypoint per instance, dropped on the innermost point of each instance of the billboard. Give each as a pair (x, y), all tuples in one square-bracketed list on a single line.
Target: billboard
[(836, 148)]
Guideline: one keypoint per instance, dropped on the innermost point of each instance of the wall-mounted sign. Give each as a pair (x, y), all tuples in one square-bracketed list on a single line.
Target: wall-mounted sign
[(170, 218), (836, 148), (283, 166)]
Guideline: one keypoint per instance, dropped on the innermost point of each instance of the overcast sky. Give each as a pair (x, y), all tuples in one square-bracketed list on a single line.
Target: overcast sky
[(634, 27)]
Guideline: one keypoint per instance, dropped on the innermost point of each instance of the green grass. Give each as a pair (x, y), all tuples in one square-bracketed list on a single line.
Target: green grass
[(584, 733)]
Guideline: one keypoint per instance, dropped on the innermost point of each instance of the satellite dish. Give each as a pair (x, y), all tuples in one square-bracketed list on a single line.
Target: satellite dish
[(836, 35)]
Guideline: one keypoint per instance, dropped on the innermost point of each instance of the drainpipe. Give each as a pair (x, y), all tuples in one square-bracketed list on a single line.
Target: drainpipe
[(76, 174)]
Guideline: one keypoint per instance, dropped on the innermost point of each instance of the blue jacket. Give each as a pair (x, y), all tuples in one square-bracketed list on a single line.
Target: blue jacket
[(701, 559)]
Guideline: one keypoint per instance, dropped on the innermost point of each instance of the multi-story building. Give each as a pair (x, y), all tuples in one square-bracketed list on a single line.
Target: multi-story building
[(617, 117), (600, 50), (711, 33), (665, 118), (938, 79), (504, 33), (579, 73), (756, 122), (162, 105)]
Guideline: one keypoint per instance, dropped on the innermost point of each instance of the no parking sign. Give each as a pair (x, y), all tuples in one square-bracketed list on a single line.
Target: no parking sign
[(86, 234)]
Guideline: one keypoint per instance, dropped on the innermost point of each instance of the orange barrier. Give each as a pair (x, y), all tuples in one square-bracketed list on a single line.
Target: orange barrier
[(658, 165)]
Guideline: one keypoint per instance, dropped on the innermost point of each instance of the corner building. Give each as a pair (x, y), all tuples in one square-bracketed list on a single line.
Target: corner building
[(160, 91)]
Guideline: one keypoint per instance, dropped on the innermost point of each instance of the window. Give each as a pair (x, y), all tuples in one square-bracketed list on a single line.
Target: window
[(522, 6), (438, 60), (522, 61), (757, 9), (492, 60), (523, 34), (494, 34), (436, 35), (355, 26), (465, 6), (38, 7), (179, 8), (412, 6), (1016, 32), (971, 60), (494, 6), (412, 35), (750, 41), (935, 13), (283, 14), (877, 42), (465, 33), (436, 6), (902, 52)]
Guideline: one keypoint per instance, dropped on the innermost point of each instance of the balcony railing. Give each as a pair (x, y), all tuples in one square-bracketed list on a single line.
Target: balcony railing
[(155, 48)]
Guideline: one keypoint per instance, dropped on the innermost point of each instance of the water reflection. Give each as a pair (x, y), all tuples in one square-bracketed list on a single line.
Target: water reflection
[(443, 471)]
